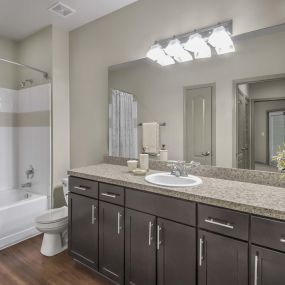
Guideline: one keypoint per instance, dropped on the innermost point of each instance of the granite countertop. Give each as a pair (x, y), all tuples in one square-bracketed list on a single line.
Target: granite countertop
[(251, 198)]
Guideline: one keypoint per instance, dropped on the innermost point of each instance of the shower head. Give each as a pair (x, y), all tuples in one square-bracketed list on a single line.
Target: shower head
[(23, 84)]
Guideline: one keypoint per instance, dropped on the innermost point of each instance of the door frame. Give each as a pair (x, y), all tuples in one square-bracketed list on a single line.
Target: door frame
[(235, 112), (213, 128)]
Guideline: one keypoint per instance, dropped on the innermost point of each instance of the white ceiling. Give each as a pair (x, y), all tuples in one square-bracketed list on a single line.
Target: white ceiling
[(21, 18)]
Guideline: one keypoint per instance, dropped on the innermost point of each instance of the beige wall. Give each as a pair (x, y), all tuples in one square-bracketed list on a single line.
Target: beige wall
[(35, 50), (8, 72), (60, 103), (127, 34)]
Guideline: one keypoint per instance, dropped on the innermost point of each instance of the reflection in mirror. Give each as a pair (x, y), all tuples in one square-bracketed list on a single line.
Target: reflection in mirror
[(261, 122), (225, 111)]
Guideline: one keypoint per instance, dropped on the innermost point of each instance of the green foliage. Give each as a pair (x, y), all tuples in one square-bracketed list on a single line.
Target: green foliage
[(279, 159)]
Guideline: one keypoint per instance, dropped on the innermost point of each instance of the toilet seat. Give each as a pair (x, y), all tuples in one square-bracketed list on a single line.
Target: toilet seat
[(53, 216)]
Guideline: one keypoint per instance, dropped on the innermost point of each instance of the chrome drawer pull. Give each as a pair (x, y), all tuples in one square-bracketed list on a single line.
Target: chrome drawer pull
[(80, 188), (255, 270), (282, 240), (109, 195), (225, 225), (93, 218), (119, 223), (150, 225), (158, 237), (201, 257)]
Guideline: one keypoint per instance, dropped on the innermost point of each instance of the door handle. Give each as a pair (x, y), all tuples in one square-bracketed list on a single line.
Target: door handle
[(150, 225), (109, 195), (81, 188), (158, 237), (119, 223), (201, 253), (93, 218), (218, 223), (207, 153)]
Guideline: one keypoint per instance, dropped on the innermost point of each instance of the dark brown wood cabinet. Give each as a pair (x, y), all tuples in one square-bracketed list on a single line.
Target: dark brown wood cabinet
[(140, 248), (221, 260), (138, 238), (267, 267), (176, 253), (111, 241), (83, 229)]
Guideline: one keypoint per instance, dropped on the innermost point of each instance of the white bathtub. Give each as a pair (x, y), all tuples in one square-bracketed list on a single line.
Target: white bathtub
[(18, 210)]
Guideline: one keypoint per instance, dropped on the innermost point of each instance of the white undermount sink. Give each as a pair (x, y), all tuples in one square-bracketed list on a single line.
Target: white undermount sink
[(166, 179)]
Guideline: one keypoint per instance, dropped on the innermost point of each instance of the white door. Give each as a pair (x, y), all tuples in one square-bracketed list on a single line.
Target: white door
[(276, 132), (198, 125)]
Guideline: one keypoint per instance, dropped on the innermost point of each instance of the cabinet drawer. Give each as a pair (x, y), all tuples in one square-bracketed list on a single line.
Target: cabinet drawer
[(165, 207), (84, 187), (112, 193), (268, 233), (223, 221)]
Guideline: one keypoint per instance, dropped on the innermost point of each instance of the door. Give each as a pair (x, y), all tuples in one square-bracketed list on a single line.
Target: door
[(243, 158), (140, 251), (176, 253), (276, 132), (222, 260), (111, 241), (83, 229), (198, 125), (267, 267)]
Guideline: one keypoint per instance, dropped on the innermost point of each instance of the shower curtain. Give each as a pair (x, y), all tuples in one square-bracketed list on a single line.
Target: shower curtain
[(123, 125)]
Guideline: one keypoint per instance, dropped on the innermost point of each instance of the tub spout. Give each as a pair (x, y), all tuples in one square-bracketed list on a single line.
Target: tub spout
[(27, 185)]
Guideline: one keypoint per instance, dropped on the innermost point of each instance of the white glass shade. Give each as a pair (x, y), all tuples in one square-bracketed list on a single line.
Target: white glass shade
[(221, 41), (157, 54), (175, 49), (198, 46)]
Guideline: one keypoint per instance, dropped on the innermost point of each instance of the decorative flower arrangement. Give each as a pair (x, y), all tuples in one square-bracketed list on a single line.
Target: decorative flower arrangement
[(279, 159)]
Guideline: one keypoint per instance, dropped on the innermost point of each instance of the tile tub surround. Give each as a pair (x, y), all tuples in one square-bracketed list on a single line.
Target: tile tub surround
[(251, 198), (235, 174)]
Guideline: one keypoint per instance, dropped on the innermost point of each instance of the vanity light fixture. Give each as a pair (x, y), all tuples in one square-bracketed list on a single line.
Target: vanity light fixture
[(221, 40), (157, 54), (202, 43), (198, 46), (176, 50)]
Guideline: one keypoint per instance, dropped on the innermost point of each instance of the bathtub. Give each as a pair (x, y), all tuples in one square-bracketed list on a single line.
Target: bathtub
[(18, 210)]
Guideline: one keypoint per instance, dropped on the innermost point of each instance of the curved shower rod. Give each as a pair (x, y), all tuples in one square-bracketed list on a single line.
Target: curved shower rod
[(45, 74)]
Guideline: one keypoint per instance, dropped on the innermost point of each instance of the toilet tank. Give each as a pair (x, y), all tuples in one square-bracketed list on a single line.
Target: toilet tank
[(65, 189)]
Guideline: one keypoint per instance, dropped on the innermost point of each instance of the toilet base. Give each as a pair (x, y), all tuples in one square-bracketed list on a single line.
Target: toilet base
[(53, 244)]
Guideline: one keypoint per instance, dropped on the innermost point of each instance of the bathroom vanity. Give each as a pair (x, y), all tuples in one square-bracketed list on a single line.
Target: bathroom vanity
[(219, 233)]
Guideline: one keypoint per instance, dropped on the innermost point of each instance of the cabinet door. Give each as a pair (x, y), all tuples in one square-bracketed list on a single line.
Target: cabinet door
[(83, 229), (140, 243), (111, 241), (267, 267), (222, 260), (176, 253)]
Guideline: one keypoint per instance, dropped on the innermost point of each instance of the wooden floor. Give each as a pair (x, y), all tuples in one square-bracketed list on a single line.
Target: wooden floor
[(23, 264)]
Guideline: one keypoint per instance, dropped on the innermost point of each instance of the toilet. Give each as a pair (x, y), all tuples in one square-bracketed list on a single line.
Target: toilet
[(53, 223)]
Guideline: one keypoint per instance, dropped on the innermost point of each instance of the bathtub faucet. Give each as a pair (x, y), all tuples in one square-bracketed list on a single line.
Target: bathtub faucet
[(27, 185)]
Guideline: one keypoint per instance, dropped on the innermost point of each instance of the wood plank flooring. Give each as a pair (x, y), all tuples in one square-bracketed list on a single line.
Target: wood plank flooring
[(23, 264)]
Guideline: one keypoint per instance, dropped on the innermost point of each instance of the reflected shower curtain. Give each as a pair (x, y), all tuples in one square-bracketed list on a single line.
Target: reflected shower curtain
[(123, 125)]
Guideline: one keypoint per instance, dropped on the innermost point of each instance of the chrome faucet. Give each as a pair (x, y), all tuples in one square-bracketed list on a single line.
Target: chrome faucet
[(27, 185), (181, 168)]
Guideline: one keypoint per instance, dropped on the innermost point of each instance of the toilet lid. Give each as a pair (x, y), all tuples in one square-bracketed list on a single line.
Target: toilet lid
[(53, 215)]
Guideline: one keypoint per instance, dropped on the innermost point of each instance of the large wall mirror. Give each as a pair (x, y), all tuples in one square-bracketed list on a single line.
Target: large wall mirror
[(227, 110)]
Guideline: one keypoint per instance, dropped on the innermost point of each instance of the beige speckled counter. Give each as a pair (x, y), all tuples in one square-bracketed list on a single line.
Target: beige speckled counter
[(256, 199)]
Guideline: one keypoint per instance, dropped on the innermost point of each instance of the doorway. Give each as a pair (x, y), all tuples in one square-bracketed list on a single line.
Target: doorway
[(260, 106)]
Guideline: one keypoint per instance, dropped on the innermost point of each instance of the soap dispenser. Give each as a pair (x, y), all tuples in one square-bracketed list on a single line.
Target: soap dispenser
[(144, 160), (163, 153)]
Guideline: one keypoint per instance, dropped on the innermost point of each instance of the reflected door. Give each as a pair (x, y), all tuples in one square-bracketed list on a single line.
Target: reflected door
[(276, 132), (198, 125)]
